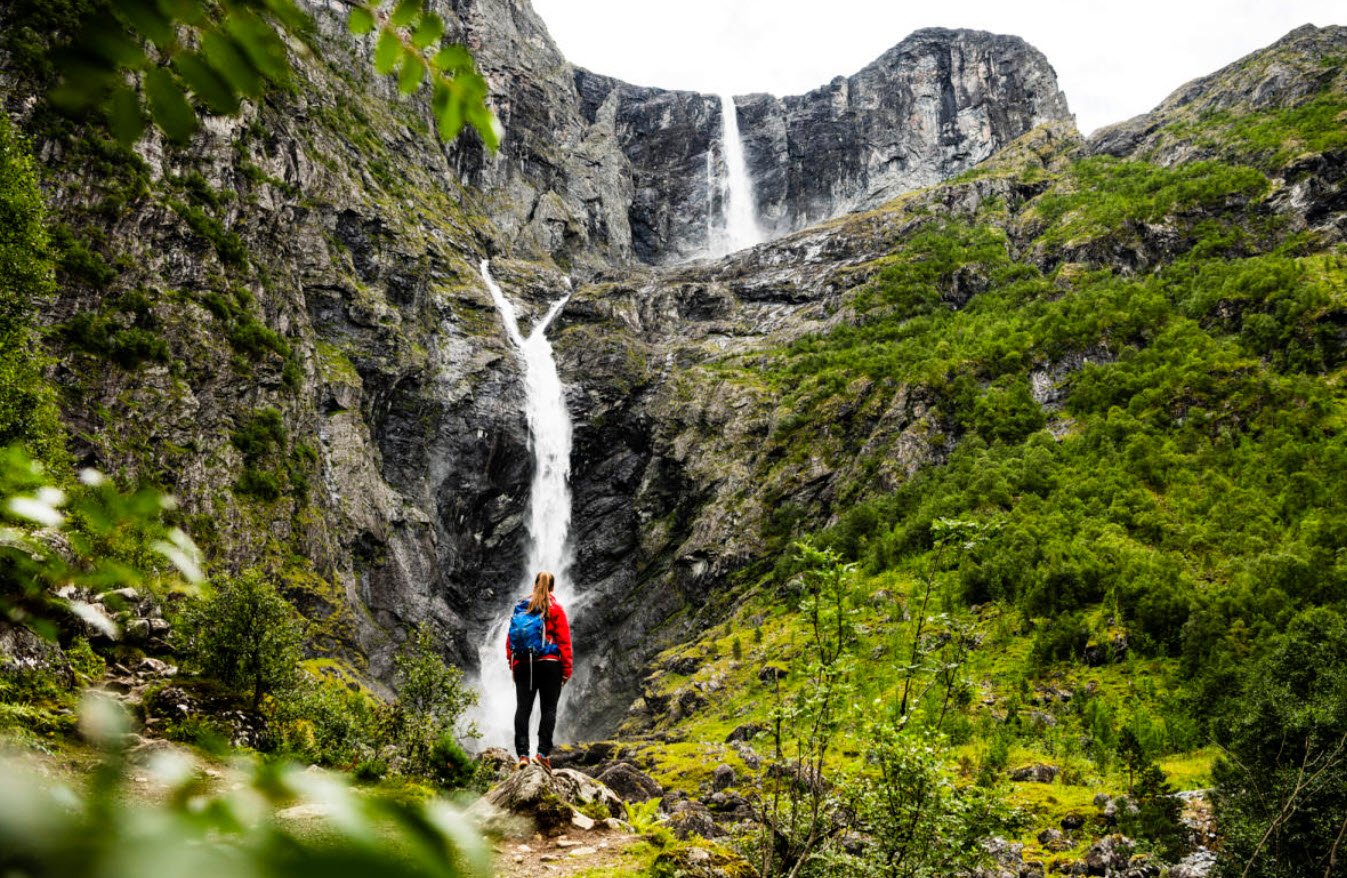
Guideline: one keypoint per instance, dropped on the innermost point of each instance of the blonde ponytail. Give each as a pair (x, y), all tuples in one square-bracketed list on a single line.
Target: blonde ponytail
[(541, 599)]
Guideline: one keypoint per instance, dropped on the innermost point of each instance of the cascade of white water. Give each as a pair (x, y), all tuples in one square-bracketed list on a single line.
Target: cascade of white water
[(549, 425), (739, 226)]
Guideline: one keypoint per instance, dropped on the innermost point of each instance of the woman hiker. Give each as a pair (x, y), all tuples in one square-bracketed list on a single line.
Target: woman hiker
[(538, 649)]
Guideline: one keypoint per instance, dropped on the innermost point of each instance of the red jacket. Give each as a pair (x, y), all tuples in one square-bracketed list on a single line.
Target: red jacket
[(558, 631)]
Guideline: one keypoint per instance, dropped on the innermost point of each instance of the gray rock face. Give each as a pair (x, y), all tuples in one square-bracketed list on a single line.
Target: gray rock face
[(931, 107)]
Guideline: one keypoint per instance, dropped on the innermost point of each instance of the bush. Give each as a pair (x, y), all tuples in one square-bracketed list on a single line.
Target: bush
[(323, 722), (432, 699), (246, 636), (1281, 792), (28, 411)]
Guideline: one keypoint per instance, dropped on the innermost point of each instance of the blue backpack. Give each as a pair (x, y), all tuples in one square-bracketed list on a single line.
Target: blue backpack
[(528, 632)]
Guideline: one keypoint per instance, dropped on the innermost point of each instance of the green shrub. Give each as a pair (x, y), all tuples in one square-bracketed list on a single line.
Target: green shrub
[(28, 411), (261, 484), (228, 245), (246, 636), (432, 700), (251, 336)]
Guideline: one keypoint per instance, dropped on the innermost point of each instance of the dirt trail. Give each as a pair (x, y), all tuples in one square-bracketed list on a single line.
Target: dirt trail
[(565, 855)]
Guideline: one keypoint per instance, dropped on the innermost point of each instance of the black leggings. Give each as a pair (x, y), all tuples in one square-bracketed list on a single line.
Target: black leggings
[(545, 679)]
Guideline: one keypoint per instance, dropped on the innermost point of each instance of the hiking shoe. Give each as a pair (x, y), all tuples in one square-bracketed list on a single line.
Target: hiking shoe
[(523, 763), (544, 761)]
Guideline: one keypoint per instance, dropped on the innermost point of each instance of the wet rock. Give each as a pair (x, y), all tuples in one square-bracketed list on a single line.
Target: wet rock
[(632, 784)]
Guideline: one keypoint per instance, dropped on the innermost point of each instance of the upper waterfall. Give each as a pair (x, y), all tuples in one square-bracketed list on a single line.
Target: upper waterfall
[(738, 227), (549, 523)]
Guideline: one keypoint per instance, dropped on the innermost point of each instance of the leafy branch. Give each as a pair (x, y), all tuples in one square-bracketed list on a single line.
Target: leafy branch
[(167, 61)]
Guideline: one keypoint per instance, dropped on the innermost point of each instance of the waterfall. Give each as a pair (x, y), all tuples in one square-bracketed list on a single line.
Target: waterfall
[(738, 209), (549, 522)]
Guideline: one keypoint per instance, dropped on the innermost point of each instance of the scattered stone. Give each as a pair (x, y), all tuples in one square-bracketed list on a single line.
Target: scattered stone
[(615, 825), (308, 811), (631, 783), (581, 821), (694, 819), (583, 852), (745, 732), (749, 756), (1111, 855), (1074, 820), (688, 861), (1037, 773), (771, 673), (684, 665), (1199, 864), (1054, 840)]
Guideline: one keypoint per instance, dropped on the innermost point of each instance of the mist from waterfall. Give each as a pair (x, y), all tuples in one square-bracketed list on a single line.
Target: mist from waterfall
[(738, 226), (549, 521)]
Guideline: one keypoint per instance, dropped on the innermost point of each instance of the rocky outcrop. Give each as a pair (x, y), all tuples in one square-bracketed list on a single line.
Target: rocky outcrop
[(536, 799), (1201, 121), (935, 105)]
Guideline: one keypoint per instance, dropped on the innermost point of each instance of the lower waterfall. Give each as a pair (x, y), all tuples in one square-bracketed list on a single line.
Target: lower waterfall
[(549, 521)]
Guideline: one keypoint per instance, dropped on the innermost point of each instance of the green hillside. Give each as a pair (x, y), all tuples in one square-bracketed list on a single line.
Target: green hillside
[(1138, 371)]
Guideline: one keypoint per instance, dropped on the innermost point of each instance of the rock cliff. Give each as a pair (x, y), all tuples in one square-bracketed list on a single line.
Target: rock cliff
[(935, 105), (307, 273)]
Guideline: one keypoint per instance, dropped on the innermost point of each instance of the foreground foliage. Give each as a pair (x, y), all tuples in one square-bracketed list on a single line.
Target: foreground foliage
[(49, 830)]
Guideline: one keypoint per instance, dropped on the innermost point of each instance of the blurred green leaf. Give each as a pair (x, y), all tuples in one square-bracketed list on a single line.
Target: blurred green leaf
[(449, 112), (413, 71), (147, 18), (124, 115), (109, 40), (360, 21), (404, 13), (428, 31), (387, 52), (229, 61), (453, 59), (259, 42), (206, 84), (168, 105)]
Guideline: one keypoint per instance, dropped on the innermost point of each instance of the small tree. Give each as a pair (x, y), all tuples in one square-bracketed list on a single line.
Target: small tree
[(246, 636), (432, 699)]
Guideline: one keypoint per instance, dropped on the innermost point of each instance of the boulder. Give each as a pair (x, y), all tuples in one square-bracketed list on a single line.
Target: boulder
[(1037, 773), (535, 799), (722, 777), (1199, 864), (691, 861), (771, 673), (693, 819), (1074, 820), (632, 784), (1111, 855), (1054, 840), (745, 732)]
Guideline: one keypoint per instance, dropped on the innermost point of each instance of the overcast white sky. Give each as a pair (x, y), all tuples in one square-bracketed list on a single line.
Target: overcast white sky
[(1114, 59)]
